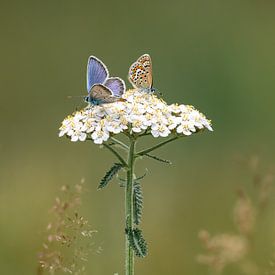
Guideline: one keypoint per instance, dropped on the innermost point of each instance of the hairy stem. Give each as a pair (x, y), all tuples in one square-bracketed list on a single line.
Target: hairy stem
[(146, 151), (120, 158), (120, 143), (129, 219)]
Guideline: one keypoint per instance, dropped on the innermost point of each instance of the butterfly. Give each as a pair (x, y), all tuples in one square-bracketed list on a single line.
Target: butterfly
[(140, 74), (102, 88)]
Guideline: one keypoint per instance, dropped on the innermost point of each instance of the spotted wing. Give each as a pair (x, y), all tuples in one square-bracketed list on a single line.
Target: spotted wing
[(140, 72), (97, 72), (102, 94), (116, 85)]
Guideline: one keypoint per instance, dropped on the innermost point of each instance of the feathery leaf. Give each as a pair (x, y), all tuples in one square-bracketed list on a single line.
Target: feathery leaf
[(158, 159), (141, 177), (109, 175), (122, 182), (137, 242), (137, 202)]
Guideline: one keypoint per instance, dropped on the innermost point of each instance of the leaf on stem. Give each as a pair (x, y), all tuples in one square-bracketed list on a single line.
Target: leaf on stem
[(141, 177), (137, 203), (109, 175), (122, 182), (158, 159), (137, 242)]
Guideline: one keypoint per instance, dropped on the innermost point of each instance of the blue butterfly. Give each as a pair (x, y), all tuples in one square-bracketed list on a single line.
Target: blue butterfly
[(102, 88)]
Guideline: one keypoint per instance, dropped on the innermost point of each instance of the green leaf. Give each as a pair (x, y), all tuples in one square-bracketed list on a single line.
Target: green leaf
[(137, 242), (158, 159), (141, 177), (109, 175), (122, 182), (137, 203)]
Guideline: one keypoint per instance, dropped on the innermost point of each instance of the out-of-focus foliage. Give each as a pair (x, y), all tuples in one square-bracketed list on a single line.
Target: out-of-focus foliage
[(236, 249)]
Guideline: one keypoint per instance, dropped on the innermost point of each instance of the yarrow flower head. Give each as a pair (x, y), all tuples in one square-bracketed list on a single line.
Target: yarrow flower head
[(139, 113)]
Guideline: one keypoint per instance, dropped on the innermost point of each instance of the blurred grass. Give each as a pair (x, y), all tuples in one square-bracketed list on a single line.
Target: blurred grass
[(217, 56)]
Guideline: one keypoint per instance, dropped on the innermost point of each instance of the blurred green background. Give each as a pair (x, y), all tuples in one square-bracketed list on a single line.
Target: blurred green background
[(216, 55)]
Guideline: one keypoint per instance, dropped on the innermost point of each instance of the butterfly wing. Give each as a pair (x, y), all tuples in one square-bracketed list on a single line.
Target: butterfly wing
[(101, 94), (140, 72), (146, 61), (97, 72), (116, 85)]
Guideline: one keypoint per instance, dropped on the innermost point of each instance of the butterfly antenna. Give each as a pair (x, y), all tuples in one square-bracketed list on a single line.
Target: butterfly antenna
[(75, 96), (81, 105)]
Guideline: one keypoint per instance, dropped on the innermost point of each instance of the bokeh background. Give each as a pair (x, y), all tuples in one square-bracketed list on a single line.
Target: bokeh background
[(216, 55)]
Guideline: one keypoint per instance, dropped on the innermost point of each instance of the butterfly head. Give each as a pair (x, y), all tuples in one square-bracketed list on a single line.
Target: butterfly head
[(86, 99), (148, 90), (93, 101)]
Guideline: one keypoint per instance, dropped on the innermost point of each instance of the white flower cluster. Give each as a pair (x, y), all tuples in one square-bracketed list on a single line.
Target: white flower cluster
[(140, 112)]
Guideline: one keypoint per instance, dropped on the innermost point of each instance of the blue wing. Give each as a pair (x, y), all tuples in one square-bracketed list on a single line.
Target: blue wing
[(97, 72), (116, 85)]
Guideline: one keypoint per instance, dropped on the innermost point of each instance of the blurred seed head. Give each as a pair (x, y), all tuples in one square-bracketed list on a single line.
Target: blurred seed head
[(244, 213), (222, 250), (68, 241)]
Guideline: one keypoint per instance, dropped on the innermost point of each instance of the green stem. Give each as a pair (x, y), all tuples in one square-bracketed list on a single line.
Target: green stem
[(120, 143), (123, 162), (146, 133), (146, 151), (129, 260)]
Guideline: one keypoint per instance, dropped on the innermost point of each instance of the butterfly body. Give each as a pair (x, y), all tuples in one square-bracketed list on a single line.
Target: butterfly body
[(102, 88), (140, 74), (92, 101)]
